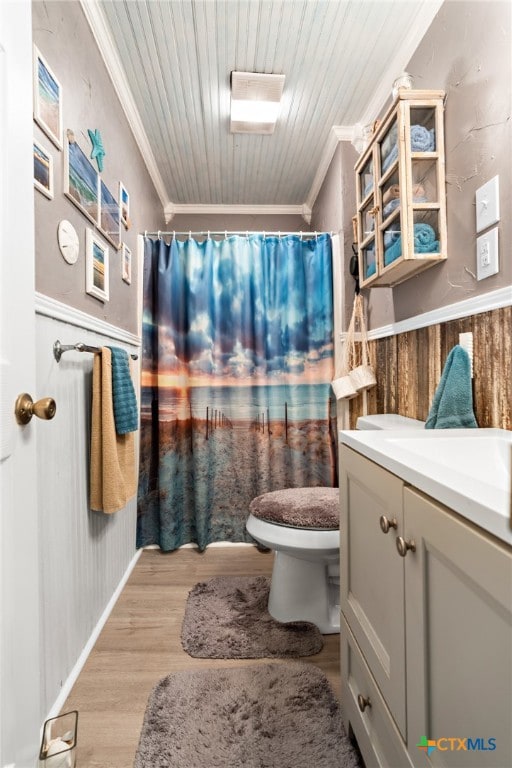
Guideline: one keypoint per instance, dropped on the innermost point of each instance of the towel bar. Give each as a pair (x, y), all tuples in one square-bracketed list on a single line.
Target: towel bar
[(59, 349)]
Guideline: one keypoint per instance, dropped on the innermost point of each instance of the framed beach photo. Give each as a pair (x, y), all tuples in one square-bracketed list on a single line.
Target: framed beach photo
[(126, 261), (47, 99), (43, 170), (109, 220), (96, 266), (124, 203), (81, 180)]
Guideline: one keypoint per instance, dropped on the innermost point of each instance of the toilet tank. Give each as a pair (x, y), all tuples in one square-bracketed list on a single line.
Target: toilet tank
[(388, 421)]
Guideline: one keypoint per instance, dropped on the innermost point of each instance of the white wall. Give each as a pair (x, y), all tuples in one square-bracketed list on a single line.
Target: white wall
[(83, 554)]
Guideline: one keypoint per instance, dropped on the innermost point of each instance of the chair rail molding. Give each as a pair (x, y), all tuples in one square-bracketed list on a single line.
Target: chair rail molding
[(48, 307)]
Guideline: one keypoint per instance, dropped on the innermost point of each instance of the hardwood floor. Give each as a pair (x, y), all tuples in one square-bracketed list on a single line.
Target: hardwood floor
[(140, 643)]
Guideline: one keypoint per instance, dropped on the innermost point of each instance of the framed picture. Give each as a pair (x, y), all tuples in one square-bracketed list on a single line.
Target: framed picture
[(43, 170), (126, 261), (124, 202), (47, 99), (96, 266), (109, 220), (81, 180)]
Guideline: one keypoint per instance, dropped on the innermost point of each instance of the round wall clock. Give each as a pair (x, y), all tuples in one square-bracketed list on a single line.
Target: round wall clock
[(69, 244)]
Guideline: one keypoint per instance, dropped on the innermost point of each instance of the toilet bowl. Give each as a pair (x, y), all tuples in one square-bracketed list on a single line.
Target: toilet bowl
[(306, 544)]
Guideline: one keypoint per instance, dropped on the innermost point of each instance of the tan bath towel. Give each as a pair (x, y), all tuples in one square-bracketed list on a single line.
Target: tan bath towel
[(113, 480)]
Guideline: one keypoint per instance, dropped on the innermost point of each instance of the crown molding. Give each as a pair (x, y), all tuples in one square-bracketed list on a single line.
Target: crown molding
[(336, 134), (96, 20), (172, 209)]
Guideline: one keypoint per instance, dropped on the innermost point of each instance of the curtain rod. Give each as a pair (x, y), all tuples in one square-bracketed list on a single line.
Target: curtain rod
[(227, 232)]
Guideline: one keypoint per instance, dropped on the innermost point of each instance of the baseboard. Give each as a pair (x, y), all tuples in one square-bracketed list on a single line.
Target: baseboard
[(73, 675), (209, 546)]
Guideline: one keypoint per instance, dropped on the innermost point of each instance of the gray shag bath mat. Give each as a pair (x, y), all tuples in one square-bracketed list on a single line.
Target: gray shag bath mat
[(226, 618), (259, 716)]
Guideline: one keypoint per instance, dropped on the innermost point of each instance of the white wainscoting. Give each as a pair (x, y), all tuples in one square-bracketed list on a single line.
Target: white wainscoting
[(84, 555)]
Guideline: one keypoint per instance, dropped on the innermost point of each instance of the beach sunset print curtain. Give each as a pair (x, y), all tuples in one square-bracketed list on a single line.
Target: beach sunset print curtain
[(237, 363)]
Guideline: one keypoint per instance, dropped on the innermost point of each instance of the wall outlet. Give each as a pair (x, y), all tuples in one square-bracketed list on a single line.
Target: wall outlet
[(487, 261), (488, 204)]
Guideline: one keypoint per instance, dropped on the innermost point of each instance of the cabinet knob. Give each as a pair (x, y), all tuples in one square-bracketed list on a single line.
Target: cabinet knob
[(363, 702), (403, 546), (386, 524)]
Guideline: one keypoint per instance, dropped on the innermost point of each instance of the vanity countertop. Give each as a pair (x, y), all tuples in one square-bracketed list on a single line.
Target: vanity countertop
[(468, 470)]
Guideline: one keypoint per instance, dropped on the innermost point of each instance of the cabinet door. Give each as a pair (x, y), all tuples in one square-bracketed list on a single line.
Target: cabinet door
[(372, 577), (459, 639)]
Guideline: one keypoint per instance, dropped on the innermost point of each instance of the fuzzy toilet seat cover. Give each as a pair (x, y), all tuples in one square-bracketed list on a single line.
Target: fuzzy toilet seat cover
[(299, 507)]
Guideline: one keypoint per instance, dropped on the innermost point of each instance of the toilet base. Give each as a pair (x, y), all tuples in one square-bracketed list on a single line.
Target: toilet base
[(305, 590)]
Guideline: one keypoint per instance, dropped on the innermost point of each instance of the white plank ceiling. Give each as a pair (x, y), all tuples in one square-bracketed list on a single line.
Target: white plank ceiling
[(174, 60)]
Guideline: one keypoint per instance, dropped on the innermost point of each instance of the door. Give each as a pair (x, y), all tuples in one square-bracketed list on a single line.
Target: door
[(19, 573)]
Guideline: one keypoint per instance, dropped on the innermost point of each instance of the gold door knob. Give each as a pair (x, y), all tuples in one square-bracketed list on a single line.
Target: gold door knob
[(363, 702), (403, 546), (25, 408), (386, 524)]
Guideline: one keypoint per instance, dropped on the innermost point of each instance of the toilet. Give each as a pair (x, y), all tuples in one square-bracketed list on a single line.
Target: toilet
[(301, 526)]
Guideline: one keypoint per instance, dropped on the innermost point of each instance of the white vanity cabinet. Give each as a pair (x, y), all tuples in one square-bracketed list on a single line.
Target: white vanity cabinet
[(426, 635)]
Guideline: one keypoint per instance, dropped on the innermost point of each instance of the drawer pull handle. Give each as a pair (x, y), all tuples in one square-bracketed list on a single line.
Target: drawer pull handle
[(386, 524), (403, 546), (363, 702)]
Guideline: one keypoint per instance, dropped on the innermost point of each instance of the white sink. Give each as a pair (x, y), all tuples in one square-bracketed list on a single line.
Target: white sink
[(469, 470), (482, 456)]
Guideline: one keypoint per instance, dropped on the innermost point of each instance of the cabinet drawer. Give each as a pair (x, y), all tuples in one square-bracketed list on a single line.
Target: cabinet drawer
[(377, 735)]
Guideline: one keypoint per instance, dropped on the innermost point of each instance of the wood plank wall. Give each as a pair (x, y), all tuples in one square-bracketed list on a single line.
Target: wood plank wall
[(409, 367)]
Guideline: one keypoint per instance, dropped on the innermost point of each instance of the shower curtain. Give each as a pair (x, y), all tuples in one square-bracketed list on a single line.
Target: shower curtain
[(236, 370)]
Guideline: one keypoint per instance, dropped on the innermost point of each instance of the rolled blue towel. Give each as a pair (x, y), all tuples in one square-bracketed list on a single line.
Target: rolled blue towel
[(126, 416), (390, 158), (393, 252), (425, 239), (422, 139), (395, 203), (371, 269), (452, 406)]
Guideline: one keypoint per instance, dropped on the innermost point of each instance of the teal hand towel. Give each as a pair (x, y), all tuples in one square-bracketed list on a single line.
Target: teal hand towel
[(126, 415), (452, 406)]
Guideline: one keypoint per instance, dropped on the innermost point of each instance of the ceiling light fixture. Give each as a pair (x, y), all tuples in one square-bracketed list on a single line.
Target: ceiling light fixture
[(255, 102)]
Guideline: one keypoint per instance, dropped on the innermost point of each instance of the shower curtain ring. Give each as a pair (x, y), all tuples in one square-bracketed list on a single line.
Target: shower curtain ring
[(190, 234), (300, 235), (159, 236), (174, 234), (208, 235)]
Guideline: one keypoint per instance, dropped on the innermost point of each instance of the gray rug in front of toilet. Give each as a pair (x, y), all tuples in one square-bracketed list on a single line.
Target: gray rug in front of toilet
[(226, 617), (259, 716)]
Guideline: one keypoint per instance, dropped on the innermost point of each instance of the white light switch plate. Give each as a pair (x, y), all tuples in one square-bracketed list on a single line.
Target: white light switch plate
[(488, 204), (487, 261)]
